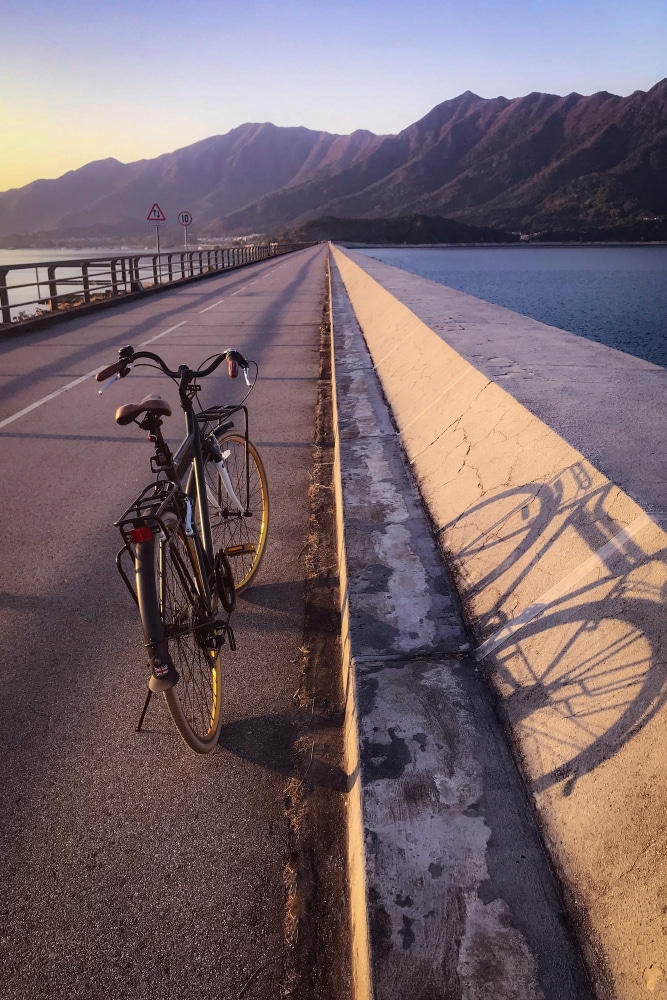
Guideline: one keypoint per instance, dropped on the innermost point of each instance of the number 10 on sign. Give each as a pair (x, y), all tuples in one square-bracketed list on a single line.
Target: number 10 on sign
[(185, 219)]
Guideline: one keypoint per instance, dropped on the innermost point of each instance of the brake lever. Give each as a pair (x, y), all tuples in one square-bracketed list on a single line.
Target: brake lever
[(109, 382), (245, 375)]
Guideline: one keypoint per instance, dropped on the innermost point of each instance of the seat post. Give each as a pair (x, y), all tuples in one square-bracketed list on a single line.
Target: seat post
[(153, 424)]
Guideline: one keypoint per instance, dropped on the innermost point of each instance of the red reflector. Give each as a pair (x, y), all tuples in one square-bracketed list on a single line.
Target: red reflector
[(141, 534)]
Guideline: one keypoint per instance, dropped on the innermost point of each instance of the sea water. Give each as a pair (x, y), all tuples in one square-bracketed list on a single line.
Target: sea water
[(615, 295)]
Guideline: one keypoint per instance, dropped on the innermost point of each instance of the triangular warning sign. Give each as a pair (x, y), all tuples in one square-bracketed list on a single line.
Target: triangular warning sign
[(156, 214)]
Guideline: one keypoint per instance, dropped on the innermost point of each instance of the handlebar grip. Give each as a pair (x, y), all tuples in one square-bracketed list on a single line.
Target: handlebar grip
[(111, 370), (232, 367)]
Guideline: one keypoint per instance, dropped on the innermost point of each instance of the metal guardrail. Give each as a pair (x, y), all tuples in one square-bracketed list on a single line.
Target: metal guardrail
[(67, 284)]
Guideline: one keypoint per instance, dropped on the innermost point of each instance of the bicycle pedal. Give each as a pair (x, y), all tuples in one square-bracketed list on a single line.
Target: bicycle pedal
[(247, 548)]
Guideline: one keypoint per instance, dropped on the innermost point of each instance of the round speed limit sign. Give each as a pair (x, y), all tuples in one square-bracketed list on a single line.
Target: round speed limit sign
[(185, 218)]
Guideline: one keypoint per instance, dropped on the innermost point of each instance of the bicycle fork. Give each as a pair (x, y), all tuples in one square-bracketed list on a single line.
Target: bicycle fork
[(219, 459)]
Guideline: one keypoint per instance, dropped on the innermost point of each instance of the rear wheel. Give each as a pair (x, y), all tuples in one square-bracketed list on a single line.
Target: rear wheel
[(195, 702), (240, 535)]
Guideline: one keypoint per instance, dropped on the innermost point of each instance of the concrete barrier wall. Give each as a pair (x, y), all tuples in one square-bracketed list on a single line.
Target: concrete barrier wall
[(563, 579)]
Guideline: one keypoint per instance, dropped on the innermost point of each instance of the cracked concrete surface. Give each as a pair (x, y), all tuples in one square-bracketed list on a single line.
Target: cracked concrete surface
[(460, 899), (490, 406)]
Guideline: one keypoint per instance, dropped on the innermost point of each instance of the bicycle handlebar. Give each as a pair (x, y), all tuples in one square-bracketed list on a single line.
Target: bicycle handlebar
[(128, 356)]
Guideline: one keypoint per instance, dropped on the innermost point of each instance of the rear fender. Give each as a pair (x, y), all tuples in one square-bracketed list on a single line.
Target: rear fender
[(163, 673)]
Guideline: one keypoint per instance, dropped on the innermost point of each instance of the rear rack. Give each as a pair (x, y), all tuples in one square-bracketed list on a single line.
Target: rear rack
[(215, 414), (145, 511), (148, 507)]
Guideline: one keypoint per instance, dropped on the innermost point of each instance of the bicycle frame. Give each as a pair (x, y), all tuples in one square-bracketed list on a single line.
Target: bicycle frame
[(187, 461), (182, 587), (146, 510)]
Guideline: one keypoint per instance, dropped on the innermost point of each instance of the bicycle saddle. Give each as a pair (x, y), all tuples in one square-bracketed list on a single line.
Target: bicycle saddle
[(150, 404)]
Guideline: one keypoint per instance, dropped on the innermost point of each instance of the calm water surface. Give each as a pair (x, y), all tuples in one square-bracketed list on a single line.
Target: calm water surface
[(615, 295)]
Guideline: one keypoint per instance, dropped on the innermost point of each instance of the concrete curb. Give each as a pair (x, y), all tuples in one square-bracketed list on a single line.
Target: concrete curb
[(438, 827), (563, 577), (356, 858)]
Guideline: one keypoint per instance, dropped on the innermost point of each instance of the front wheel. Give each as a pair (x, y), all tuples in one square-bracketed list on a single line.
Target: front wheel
[(195, 702), (240, 534)]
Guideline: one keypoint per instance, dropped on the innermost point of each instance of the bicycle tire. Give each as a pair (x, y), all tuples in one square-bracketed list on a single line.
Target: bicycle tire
[(242, 537), (195, 702)]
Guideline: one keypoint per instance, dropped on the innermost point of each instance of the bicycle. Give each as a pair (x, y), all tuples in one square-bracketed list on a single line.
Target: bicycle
[(206, 511)]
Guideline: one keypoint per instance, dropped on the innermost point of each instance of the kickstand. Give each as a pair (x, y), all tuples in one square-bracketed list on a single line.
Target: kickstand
[(144, 710)]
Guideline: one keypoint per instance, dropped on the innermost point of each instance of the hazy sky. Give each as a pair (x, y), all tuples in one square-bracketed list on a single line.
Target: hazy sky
[(133, 78)]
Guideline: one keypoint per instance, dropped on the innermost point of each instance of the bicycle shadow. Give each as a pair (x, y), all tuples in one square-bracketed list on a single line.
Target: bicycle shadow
[(575, 651)]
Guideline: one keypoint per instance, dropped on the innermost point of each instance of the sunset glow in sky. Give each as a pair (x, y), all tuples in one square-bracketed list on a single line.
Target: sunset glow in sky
[(136, 78)]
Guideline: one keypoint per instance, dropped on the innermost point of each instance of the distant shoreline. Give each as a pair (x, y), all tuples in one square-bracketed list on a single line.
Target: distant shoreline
[(497, 246), (103, 251)]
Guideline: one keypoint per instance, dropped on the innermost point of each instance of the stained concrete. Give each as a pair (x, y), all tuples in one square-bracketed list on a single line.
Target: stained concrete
[(562, 575), (459, 900)]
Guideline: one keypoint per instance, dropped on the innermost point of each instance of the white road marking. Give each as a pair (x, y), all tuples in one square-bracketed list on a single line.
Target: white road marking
[(613, 547), (75, 382), (82, 378), (211, 307), (163, 334), (46, 399)]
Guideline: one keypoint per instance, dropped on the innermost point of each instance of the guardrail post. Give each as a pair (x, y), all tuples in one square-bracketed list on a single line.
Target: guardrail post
[(156, 280), (114, 277), (86, 282), (170, 270), (4, 297), (53, 288)]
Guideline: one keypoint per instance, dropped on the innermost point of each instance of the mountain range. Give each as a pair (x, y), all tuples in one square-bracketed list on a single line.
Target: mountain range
[(534, 162)]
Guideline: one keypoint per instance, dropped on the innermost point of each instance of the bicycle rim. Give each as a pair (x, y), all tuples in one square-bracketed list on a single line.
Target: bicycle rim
[(195, 702), (242, 537)]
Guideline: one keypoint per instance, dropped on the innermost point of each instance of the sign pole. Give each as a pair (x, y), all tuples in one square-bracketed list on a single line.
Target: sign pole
[(157, 216), (185, 219)]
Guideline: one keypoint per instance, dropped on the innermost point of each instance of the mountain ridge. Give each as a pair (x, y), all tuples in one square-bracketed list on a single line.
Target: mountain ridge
[(536, 161)]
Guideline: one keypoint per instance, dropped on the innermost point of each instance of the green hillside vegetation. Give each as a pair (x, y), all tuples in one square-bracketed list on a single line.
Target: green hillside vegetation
[(413, 229)]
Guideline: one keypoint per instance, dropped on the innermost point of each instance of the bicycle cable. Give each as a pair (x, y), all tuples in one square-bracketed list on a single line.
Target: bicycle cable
[(235, 406)]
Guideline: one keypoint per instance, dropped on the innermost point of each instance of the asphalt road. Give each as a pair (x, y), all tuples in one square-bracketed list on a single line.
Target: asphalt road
[(131, 867)]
